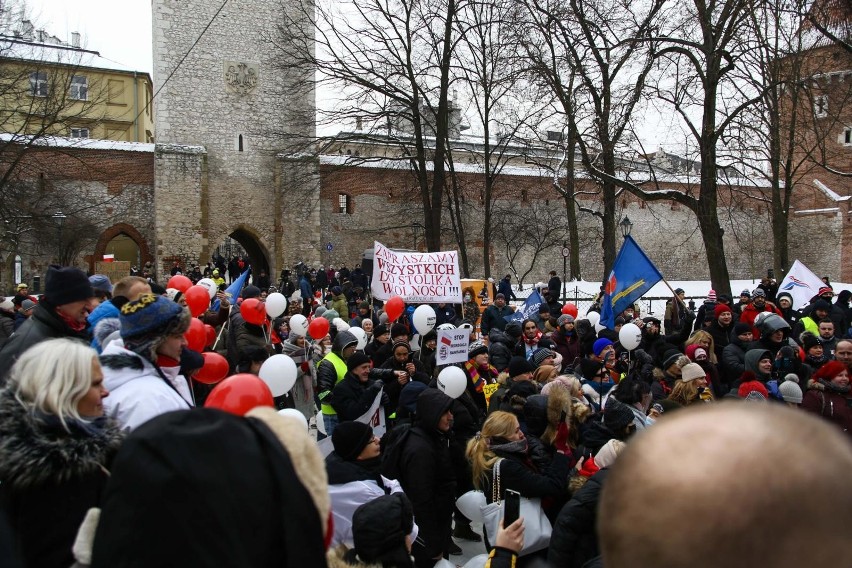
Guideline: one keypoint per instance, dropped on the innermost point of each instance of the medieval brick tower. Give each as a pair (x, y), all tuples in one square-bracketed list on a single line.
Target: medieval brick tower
[(228, 123)]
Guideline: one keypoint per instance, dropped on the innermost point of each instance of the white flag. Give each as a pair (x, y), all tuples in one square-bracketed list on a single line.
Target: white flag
[(375, 418), (801, 283)]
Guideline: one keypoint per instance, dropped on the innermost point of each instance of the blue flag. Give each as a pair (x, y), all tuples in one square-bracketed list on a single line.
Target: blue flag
[(233, 291), (632, 275), (529, 309)]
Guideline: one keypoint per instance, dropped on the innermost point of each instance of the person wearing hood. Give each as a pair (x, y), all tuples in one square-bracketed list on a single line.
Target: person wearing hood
[(833, 311), (566, 341), (760, 363), (382, 535), (353, 396), (302, 393), (401, 369), (501, 344), (330, 370), (354, 477), (339, 302), (62, 312), (56, 446), (125, 290), (424, 467), (785, 305), (208, 488), (142, 372)]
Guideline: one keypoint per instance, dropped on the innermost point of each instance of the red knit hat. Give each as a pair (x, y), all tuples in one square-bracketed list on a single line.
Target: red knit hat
[(750, 383), (721, 309)]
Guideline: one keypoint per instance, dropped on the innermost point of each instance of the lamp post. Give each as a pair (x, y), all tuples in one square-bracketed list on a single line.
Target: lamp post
[(59, 217), (626, 226)]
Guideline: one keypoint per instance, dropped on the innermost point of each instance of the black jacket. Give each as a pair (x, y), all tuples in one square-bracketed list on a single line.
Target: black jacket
[(574, 540), (43, 325), (427, 476), (351, 398), (49, 478), (500, 347), (392, 386), (519, 473)]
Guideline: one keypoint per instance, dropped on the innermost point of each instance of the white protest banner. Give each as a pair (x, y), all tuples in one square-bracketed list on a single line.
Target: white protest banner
[(416, 277), (375, 417), (452, 346)]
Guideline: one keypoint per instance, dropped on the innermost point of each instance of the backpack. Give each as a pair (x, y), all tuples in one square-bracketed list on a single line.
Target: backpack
[(392, 445)]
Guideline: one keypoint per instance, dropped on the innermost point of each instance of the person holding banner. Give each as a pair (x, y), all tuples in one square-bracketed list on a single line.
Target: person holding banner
[(354, 395)]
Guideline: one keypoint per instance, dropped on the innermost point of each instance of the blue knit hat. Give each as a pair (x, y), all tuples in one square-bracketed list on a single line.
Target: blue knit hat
[(150, 315), (600, 345)]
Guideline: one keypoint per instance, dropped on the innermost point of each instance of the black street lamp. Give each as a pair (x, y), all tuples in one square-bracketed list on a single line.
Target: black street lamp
[(626, 226), (59, 217)]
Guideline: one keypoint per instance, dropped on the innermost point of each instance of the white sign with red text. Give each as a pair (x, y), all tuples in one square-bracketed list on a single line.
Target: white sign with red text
[(416, 277)]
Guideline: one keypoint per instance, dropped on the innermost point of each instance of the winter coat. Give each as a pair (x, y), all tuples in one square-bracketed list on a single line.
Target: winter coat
[(831, 405), (494, 318), (351, 398), (50, 478), (444, 315), (500, 348), (519, 473), (836, 314), (427, 475), (247, 335), (567, 346), (7, 325), (352, 483), (137, 390), (505, 287), (574, 540), (721, 337), (328, 373), (302, 392), (733, 359), (104, 310), (392, 386), (340, 305), (44, 324)]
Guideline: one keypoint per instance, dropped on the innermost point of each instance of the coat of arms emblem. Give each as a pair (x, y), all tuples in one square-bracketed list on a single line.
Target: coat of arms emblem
[(241, 77)]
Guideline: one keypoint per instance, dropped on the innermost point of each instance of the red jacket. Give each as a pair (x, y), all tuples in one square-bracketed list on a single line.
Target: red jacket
[(750, 313)]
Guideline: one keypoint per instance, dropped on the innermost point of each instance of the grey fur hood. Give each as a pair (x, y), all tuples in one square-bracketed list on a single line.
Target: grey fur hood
[(33, 452)]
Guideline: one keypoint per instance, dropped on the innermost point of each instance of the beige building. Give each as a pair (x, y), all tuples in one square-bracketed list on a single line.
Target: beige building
[(48, 87)]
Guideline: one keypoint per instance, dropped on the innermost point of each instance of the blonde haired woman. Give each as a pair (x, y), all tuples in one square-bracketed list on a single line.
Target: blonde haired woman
[(55, 447), (704, 340), (692, 386), (501, 440)]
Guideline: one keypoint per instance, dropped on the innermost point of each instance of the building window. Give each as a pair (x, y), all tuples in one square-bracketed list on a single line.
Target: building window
[(79, 133), (38, 83), (821, 106), (344, 203), (847, 136), (240, 143), (79, 90)]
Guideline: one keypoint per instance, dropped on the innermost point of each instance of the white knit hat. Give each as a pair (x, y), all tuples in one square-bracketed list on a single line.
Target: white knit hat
[(691, 372)]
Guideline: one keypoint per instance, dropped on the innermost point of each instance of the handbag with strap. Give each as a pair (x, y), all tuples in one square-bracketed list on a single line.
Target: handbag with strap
[(537, 527)]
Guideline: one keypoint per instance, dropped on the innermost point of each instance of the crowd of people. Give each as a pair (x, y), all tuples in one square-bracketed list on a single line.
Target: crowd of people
[(108, 458)]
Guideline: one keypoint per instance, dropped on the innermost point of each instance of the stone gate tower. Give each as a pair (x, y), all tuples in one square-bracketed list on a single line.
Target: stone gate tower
[(228, 122)]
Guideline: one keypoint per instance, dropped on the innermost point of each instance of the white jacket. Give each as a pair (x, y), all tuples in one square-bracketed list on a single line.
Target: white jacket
[(137, 393), (347, 497)]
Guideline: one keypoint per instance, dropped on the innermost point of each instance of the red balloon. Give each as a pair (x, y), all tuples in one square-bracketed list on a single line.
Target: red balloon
[(318, 328), (570, 309), (238, 394), (179, 282), (211, 334), (197, 299), (394, 308), (253, 311), (214, 370), (195, 335)]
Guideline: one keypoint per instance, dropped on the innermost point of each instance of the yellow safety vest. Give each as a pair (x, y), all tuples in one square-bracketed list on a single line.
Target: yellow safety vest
[(340, 367)]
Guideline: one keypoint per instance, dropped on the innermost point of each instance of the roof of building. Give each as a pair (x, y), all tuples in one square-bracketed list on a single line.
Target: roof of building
[(57, 53)]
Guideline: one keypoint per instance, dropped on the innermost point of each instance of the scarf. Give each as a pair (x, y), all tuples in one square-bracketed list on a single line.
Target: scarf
[(476, 379), (70, 322), (534, 340), (515, 447), (834, 388), (93, 427)]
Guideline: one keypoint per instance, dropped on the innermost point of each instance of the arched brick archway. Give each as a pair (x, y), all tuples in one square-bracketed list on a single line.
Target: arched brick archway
[(114, 231), (255, 249)]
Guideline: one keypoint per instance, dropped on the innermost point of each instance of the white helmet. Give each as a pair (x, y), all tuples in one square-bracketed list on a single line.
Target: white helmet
[(446, 326)]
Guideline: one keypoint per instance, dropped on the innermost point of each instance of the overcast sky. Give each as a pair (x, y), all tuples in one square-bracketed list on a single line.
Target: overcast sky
[(119, 29)]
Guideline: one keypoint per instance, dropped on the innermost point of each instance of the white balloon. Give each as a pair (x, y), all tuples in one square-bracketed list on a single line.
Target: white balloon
[(361, 336), (210, 286), (452, 381), (470, 503), (276, 304), (299, 325), (599, 327), (446, 326), (340, 324), (593, 317), (279, 373), (630, 336), (321, 423), (424, 319), (294, 414)]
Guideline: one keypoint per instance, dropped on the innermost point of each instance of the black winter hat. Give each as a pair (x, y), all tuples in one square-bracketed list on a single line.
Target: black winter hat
[(589, 368), (250, 291), (741, 328), (379, 528), (350, 438), (398, 330), (513, 330), (356, 360), (519, 366), (809, 340), (822, 305), (670, 358), (380, 330), (617, 415), (66, 284)]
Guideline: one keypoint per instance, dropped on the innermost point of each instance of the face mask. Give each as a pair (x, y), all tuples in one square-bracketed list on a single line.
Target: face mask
[(467, 298)]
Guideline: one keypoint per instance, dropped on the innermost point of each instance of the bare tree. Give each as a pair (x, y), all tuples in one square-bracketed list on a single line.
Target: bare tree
[(389, 61)]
